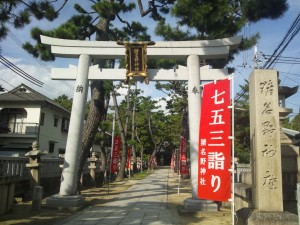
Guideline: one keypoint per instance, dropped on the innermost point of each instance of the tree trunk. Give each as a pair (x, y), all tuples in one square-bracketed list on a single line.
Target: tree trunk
[(185, 123), (142, 155), (103, 158), (127, 110), (97, 111), (142, 148)]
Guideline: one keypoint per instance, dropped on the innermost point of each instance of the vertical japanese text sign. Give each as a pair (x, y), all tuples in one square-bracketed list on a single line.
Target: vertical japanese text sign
[(214, 156), (115, 155), (183, 161), (265, 141)]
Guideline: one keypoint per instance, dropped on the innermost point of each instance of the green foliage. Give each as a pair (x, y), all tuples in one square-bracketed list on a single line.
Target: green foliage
[(135, 32), (64, 101), (171, 34), (267, 9), (84, 24), (10, 13), (242, 126), (164, 127), (211, 19), (292, 124), (208, 19)]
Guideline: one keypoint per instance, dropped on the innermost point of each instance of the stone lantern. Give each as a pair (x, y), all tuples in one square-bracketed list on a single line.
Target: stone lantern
[(35, 164), (92, 166)]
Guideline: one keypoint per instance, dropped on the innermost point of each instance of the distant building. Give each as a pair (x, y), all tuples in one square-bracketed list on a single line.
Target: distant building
[(26, 116)]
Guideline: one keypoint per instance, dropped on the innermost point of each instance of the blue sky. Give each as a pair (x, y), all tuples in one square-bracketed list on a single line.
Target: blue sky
[(271, 33)]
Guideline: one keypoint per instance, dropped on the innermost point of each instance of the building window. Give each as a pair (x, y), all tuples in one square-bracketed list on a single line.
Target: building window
[(51, 146), (61, 151), (65, 124), (42, 119), (55, 121)]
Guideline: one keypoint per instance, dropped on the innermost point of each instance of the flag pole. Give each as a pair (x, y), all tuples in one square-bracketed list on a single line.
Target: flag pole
[(232, 153), (112, 146)]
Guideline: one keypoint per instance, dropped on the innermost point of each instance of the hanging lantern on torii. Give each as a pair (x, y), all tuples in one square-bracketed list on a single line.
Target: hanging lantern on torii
[(136, 60)]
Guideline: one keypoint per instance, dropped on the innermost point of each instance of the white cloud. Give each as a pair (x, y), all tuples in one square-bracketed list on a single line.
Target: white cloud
[(51, 88)]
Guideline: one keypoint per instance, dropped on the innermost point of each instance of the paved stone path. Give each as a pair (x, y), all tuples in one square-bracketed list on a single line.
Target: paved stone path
[(145, 203)]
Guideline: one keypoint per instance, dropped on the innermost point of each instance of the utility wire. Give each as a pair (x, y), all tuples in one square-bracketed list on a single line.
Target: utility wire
[(291, 33), (19, 71), (20, 43), (26, 76)]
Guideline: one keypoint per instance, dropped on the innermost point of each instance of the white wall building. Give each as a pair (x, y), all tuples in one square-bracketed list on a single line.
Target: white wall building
[(26, 116)]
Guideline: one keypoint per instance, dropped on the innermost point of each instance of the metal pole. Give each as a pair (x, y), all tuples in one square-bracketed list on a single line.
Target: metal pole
[(298, 186), (179, 162)]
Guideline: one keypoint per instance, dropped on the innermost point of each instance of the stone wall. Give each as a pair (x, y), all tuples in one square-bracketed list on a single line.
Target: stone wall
[(14, 169), (290, 172), (7, 190)]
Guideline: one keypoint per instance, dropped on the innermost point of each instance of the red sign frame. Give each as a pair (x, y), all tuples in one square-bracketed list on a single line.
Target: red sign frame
[(214, 155)]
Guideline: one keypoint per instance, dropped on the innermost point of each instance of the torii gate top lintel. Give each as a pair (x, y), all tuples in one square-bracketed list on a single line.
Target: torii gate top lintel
[(206, 49)]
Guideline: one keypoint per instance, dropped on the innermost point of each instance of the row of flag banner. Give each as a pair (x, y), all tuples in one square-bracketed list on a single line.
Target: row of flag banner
[(114, 166), (182, 162), (214, 152)]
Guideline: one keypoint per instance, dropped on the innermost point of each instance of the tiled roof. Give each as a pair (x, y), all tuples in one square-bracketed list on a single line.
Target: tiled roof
[(23, 93)]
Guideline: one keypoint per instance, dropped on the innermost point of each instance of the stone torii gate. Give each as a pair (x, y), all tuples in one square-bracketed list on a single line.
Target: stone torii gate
[(192, 51)]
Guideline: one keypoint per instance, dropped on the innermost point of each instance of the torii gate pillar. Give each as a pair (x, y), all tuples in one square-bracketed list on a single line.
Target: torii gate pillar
[(68, 184), (194, 100)]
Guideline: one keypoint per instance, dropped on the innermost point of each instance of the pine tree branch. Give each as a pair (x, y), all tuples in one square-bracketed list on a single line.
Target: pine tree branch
[(141, 8), (123, 21)]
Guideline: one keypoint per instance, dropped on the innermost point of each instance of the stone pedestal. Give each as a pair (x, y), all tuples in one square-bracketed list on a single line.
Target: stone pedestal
[(250, 217), (7, 193), (69, 203), (37, 197), (196, 205)]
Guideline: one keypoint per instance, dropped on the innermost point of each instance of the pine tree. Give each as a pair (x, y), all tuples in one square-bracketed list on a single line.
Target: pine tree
[(206, 19)]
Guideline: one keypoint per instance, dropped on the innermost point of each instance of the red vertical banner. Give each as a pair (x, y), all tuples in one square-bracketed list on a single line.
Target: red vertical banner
[(214, 155), (114, 166), (183, 161), (128, 165)]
